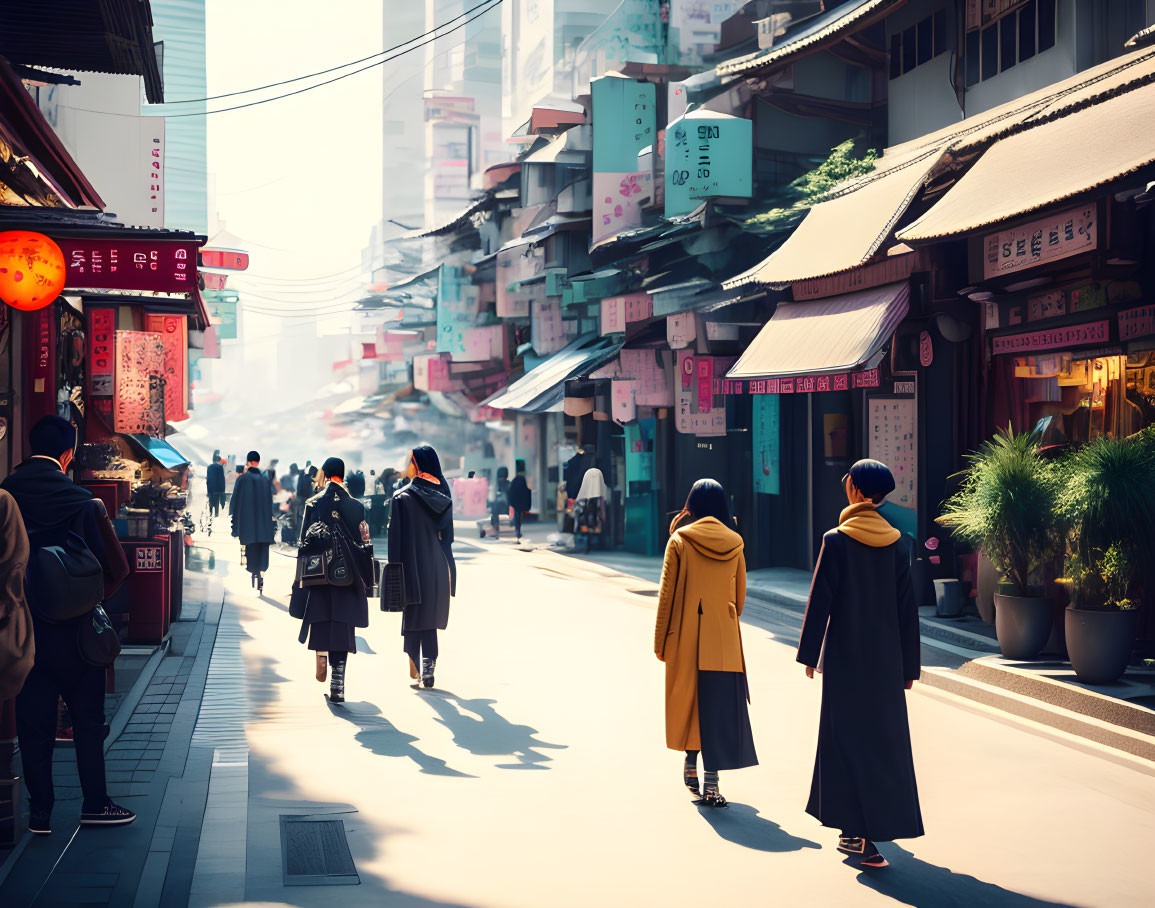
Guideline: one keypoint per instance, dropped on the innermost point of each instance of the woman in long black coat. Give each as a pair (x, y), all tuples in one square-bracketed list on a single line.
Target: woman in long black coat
[(421, 540), (520, 498), (330, 614), (252, 513), (861, 632)]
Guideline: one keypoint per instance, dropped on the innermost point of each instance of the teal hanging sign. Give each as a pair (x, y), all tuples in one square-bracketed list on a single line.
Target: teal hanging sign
[(708, 155)]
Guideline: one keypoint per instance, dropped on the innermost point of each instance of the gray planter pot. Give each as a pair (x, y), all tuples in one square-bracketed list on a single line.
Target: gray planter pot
[(1100, 643), (988, 585), (948, 596), (1022, 624)]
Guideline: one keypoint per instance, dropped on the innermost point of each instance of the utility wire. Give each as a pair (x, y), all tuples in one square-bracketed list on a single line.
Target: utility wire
[(300, 91), (332, 69)]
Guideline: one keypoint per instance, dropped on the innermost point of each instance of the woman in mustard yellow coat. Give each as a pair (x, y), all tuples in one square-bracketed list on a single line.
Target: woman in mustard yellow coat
[(699, 638)]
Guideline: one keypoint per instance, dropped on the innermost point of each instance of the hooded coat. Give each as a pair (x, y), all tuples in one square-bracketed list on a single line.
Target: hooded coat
[(17, 642), (252, 508), (421, 539), (861, 630), (702, 592)]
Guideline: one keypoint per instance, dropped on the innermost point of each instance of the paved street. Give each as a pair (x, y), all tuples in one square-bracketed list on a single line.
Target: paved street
[(535, 774)]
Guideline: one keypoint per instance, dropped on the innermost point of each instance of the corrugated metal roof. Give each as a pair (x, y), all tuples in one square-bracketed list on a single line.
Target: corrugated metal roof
[(543, 388), (1045, 165), (108, 36), (827, 336), (832, 26)]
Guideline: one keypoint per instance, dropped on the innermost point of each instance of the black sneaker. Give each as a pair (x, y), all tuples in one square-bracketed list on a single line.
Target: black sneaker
[(112, 814), (40, 822)]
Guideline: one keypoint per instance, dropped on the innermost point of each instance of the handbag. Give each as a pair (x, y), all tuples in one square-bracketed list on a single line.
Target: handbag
[(65, 580), (393, 587), (96, 639)]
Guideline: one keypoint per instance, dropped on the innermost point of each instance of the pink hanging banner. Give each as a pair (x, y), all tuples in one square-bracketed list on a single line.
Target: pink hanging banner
[(139, 403), (173, 330)]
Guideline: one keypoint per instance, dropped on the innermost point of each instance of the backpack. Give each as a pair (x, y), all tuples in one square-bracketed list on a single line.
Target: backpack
[(65, 580)]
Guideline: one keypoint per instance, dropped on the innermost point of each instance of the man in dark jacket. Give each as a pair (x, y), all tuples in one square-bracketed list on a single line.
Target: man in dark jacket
[(215, 482), (252, 513), (861, 632), (520, 497), (52, 505)]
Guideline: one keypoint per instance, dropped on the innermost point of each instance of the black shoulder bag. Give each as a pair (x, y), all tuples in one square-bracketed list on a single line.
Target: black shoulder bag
[(65, 580)]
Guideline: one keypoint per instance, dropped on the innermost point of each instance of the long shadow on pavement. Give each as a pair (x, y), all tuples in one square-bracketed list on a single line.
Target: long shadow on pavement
[(383, 738), (742, 825), (480, 729), (920, 884)]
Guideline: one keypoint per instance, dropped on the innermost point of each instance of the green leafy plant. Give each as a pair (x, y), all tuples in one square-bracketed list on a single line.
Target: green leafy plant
[(845, 162), (1006, 505), (1107, 500)]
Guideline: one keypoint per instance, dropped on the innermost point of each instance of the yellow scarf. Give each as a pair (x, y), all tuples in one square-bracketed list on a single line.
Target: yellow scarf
[(862, 523)]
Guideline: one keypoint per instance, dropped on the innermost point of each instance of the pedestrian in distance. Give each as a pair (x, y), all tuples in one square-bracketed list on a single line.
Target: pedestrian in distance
[(699, 638), (356, 484), (421, 541), (215, 484), (334, 602), (499, 501), (861, 633), (252, 513), (590, 507), (68, 529), (520, 498)]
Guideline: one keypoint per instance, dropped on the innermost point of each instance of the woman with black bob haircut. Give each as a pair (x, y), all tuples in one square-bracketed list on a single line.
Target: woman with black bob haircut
[(699, 638), (421, 541)]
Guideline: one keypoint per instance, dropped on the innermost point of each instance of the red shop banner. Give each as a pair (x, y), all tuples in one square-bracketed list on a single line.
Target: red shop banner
[(802, 384), (173, 330), (101, 351), (159, 266)]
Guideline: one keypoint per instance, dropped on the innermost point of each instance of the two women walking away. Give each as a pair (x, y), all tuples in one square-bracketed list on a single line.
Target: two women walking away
[(334, 576), (421, 542), (699, 638), (861, 633)]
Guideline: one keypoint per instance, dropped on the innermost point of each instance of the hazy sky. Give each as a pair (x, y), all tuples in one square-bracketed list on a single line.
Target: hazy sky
[(300, 178)]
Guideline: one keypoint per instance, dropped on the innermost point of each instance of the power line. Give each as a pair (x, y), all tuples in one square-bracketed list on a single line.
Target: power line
[(300, 91), (332, 69)]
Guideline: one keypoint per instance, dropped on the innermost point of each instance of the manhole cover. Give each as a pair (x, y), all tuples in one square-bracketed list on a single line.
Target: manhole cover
[(314, 852)]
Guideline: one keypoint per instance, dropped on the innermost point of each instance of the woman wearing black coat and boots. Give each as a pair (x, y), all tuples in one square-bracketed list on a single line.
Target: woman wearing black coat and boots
[(421, 539), (329, 614)]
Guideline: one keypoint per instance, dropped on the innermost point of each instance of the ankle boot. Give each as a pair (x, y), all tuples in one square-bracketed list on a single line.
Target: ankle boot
[(337, 683), (427, 667)]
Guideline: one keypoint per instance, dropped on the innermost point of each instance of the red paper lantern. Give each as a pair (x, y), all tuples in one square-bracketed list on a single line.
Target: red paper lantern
[(32, 270)]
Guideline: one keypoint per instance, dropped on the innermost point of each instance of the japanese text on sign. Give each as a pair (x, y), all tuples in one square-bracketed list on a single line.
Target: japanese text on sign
[(1057, 236), (1093, 333)]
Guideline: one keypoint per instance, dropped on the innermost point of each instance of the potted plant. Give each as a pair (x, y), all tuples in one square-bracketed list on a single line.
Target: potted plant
[(1108, 500), (1006, 506)]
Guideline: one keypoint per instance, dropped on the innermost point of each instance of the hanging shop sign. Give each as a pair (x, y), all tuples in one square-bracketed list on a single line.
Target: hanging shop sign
[(1137, 322), (925, 350), (431, 373), (456, 309), (619, 311), (893, 439), (1048, 239), (101, 351), (765, 435), (681, 330), (159, 266), (32, 270), (173, 331), (549, 331), (801, 384), (1052, 338), (695, 410), (708, 155), (139, 403)]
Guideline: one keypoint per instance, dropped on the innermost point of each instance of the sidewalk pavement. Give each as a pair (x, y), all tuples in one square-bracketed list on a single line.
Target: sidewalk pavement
[(960, 656), (149, 769)]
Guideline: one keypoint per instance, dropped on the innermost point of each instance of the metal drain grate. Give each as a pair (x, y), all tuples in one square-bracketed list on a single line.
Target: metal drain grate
[(314, 852)]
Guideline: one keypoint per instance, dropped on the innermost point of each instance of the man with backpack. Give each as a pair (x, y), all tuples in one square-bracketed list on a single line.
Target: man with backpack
[(75, 562)]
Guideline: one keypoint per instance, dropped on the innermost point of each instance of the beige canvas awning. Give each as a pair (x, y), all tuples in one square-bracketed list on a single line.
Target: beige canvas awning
[(845, 231), (827, 336), (1046, 164)]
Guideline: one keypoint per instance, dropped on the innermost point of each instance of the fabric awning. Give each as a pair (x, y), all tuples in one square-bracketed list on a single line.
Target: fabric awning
[(541, 389), (1046, 164), (159, 451), (845, 231), (827, 336)]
